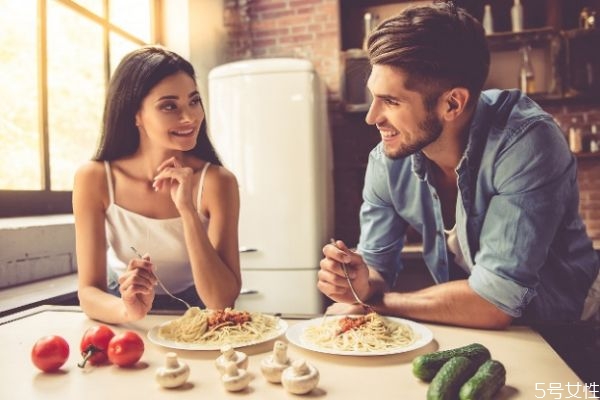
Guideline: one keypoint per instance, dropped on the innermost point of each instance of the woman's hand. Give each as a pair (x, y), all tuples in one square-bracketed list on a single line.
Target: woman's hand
[(137, 287), (178, 179), (332, 281)]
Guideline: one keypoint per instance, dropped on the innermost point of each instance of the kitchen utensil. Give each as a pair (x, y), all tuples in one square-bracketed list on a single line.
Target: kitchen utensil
[(137, 253), (358, 300)]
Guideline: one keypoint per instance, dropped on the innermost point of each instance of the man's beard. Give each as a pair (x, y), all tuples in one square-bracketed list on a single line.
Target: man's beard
[(431, 127)]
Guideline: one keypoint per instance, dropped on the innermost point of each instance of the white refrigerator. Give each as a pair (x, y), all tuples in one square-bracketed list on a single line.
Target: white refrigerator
[(268, 121)]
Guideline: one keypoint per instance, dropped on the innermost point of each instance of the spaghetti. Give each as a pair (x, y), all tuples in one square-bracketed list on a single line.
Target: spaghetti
[(365, 333), (218, 327)]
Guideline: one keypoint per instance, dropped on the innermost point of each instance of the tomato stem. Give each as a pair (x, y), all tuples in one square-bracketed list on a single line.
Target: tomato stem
[(87, 354)]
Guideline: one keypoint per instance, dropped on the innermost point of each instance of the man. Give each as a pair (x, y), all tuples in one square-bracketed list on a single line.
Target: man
[(485, 177)]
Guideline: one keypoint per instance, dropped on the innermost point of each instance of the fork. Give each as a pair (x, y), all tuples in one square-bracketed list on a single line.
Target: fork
[(137, 253), (367, 307)]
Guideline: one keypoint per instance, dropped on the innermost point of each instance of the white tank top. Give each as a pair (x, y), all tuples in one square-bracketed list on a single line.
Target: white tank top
[(162, 239)]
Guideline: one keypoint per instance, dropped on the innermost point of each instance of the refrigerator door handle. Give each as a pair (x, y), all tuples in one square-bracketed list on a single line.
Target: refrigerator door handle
[(244, 249), (246, 291)]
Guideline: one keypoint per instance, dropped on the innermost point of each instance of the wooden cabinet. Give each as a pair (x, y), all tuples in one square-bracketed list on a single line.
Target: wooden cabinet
[(352, 140)]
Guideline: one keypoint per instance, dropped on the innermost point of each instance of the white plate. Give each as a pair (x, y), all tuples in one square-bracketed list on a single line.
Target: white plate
[(294, 336), (156, 339)]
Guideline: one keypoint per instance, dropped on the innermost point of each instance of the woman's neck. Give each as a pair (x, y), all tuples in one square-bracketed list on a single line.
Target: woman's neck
[(147, 163)]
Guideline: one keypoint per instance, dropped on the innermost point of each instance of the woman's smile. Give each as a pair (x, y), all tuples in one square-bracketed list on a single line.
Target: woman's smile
[(183, 133)]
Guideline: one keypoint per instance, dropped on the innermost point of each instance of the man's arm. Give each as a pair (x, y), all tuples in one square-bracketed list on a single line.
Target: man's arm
[(453, 303)]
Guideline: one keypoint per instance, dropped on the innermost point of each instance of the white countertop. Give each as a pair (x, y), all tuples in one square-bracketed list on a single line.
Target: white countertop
[(532, 366)]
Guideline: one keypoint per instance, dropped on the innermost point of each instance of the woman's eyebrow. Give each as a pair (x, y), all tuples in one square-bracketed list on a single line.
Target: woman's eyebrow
[(175, 97)]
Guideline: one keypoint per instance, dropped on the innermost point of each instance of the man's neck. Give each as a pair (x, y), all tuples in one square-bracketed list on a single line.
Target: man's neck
[(447, 151)]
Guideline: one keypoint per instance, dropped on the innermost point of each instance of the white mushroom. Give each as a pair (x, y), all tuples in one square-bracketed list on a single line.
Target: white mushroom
[(300, 378), (273, 365), (174, 373), (235, 379), (229, 354)]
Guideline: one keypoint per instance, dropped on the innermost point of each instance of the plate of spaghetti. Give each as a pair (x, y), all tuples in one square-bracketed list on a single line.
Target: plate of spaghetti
[(359, 335), (199, 329)]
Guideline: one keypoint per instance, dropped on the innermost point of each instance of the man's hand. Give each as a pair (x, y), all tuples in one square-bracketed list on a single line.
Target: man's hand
[(332, 281)]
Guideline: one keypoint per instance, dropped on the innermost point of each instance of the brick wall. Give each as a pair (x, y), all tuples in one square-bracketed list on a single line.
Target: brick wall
[(589, 189), (287, 28)]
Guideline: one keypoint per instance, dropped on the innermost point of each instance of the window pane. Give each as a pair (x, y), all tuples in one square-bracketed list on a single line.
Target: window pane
[(76, 90), (134, 16), (19, 137), (94, 6), (119, 47)]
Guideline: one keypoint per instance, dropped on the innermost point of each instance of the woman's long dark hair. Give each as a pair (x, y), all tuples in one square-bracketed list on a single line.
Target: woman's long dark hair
[(137, 73)]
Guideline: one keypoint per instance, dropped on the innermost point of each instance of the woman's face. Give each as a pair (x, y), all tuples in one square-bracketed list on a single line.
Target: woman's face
[(171, 114), (400, 115)]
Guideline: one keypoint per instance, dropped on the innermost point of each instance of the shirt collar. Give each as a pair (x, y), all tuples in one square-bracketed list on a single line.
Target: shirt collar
[(475, 143)]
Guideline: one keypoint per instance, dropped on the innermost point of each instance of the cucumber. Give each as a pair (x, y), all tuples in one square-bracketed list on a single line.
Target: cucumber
[(486, 382), (426, 366), (449, 379)]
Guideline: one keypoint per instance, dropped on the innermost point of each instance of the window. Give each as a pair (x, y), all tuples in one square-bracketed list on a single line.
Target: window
[(56, 57)]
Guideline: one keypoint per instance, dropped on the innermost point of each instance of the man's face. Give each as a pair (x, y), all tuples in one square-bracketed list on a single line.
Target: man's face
[(404, 123)]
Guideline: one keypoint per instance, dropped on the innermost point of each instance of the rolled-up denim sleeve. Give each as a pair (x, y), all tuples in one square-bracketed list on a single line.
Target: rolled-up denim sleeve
[(504, 293), (533, 189), (382, 229)]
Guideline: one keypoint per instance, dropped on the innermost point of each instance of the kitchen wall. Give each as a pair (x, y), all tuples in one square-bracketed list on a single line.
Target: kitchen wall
[(288, 28), (589, 189), (311, 29)]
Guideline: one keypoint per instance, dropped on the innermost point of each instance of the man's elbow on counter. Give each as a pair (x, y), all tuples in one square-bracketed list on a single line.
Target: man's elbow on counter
[(499, 320)]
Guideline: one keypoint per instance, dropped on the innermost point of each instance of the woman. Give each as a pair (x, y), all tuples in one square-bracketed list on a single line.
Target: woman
[(155, 186)]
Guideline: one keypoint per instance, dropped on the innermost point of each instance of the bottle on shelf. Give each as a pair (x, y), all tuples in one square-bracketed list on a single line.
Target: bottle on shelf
[(575, 140), (575, 136), (488, 22), (516, 16), (526, 74), (594, 139), (587, 18), (370, 21)]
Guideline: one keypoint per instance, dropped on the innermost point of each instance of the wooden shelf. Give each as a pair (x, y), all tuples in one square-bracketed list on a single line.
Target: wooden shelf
[(588, 155), (514, 40)]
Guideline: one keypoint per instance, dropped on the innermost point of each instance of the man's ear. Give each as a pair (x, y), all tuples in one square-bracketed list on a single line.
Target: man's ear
[(456, 100)]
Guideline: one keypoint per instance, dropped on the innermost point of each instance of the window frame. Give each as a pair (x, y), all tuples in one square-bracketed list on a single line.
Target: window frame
[(18, 203)]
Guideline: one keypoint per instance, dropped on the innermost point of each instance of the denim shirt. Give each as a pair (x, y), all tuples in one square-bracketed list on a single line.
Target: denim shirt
[(517, 216)]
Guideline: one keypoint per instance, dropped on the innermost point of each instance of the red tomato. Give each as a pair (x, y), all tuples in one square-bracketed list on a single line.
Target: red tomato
[(49, 353), (94, 344), (125, 349)]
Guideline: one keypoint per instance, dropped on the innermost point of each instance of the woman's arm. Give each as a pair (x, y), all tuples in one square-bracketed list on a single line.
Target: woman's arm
[(90, 200), (214, 255)]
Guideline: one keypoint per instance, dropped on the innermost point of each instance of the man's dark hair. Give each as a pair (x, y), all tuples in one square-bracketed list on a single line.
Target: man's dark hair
[(438, 46)]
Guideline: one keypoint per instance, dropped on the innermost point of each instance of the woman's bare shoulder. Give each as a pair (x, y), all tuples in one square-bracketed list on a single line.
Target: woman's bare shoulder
[(221, 177), (221, 188), (91, 170), (90, 176)]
